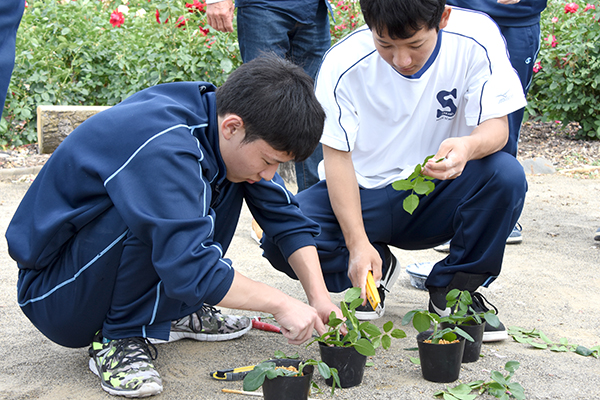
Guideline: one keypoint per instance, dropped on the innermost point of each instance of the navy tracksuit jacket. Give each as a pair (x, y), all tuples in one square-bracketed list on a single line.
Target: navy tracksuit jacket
[(126, 226)]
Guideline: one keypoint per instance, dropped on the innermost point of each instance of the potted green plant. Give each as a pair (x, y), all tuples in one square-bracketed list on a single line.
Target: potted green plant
[(440, 349), (348, 341), (288, 378), (469, 321)]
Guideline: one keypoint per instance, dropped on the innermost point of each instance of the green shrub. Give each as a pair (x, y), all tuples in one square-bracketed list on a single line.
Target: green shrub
[(567, 78), (69, 53), (98, 52)]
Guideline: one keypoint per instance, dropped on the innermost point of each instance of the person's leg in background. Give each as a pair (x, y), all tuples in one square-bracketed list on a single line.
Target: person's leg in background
[(523, 45), (11, 12), (309, 44), (261, 30)]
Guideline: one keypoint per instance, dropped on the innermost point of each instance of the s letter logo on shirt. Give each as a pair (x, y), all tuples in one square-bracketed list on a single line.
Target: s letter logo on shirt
[(446, 100)]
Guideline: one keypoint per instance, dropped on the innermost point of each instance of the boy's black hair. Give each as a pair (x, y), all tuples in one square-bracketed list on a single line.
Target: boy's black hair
[(402, 18), (277, 103)]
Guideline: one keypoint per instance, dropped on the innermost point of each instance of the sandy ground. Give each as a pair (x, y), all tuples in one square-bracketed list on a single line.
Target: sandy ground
[(549, 282)]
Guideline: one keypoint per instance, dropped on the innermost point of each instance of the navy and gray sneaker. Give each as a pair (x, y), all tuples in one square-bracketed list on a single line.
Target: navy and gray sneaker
[(597, 234), (125, 367), (208, 325), (515, 237), (437, 304), (390, 276)]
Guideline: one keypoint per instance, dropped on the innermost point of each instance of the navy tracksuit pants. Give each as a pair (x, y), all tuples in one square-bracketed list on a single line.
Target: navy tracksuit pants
[(477, 210), (103, 278), (523, 43)]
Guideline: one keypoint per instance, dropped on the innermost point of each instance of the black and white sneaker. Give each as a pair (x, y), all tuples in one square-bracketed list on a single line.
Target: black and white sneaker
[(597, 234), (390, 276), (437, 304), (490, 334)]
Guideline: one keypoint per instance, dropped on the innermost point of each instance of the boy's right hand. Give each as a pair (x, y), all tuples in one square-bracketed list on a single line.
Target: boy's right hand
[(362, 259), (298, 320)]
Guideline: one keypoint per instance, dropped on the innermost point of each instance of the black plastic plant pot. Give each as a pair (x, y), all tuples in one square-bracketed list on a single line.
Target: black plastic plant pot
[(288, 387), (472, 349), (349, 363), (440, 362)]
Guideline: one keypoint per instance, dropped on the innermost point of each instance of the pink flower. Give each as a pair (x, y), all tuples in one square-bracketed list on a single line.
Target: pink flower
[(589, 7), (117, 19), (571, 8), (554, 20), (537, 67), (196, 5), (181, 21), (551, 39)]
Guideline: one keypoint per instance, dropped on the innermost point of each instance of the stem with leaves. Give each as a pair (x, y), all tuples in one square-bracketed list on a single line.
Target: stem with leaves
[(500, 387), (417, 183), (539, 340)]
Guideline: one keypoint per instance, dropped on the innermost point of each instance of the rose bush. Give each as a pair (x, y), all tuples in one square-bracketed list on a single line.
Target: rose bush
[(92, 52), (566, 81), (98, 52)]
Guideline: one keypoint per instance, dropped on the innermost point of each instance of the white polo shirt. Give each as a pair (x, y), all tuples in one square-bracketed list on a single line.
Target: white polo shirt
[(391, 122)]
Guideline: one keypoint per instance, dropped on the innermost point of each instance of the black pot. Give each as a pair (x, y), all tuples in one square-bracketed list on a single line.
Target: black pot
[(288, 387), (440, 362), (349, 363), (472, 349)]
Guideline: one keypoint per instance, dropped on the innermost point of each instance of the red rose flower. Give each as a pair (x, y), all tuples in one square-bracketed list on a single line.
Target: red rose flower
[(571, 8), (117, 19)]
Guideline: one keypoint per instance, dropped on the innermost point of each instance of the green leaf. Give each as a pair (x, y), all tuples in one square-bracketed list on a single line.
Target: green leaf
[(279, 354), (545, 338), (421, 322), (388, 326), (512, 366), (398, 334), (402, 185), (324, 370), (516, 390), (583, 351), (364, 347), (410, 203), (424, 187), (386, 342), (370, 329), (498, 377), (460, 390), (255, 378), (352, 294), (415, 360)]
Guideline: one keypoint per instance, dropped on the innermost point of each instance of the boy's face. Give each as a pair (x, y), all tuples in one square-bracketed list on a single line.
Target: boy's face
[(247, 162), (408, 56)]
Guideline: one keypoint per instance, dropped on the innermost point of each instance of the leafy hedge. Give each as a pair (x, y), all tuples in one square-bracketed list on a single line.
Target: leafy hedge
[(98, 52), (566, 85)]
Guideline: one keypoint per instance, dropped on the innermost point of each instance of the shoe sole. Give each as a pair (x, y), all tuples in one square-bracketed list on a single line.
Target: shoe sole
[(514, 240), (206, 337), (254, 236), (369, 315), (150, 389), (390, 280), (494, 336)]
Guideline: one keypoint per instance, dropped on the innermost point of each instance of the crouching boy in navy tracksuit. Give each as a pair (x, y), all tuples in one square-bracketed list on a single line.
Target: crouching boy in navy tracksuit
[(123, 234)]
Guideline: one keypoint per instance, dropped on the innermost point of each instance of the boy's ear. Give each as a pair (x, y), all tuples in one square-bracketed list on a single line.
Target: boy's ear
[(444, 19), (231, 124)]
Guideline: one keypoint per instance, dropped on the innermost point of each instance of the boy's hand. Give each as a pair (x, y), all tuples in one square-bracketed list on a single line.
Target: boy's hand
[(298, 320), (363, 258), (449, 161)]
